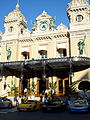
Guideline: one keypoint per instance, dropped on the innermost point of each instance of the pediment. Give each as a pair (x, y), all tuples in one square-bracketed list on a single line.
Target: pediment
[(43, 16), (62, 27)]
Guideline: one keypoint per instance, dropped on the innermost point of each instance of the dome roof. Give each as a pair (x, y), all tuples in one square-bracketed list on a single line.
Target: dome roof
[(15, 15), (74, 3)]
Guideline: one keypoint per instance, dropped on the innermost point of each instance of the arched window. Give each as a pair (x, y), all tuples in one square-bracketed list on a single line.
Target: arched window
[(25, 55), (79, 18), (61, 49), (43, 53), (11, 28), (21, 30), (25, 52)]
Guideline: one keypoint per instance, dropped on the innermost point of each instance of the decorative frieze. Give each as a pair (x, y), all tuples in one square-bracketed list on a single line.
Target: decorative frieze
[(26, 40), (60, 35), (43, 38)]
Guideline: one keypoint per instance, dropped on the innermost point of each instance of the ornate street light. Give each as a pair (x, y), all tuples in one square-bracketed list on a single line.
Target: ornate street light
[(70, 72), (21, 78), (70, 61), (44, 74)]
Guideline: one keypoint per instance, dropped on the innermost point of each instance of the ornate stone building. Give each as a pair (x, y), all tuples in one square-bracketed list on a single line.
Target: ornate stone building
[(45, 41)]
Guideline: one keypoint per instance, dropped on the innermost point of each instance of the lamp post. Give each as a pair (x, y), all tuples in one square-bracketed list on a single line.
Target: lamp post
[(21, 79), (70, 60), (70, 72), (44, 74)]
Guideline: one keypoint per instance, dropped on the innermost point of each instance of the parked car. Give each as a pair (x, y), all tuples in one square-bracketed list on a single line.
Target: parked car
[(79, 106), (5, 102), (30, 105), (53, 106)]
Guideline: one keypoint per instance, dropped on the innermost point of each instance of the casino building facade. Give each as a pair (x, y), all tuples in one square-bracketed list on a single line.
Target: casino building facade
[(45, 58)]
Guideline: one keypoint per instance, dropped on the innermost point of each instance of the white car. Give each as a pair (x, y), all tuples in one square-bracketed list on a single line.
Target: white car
[(5, 102), (79, 106)]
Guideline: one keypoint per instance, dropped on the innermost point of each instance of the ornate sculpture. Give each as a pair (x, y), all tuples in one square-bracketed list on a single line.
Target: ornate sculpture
[(81, 45), (34, 26), (43, 22), (52, 25), (8, 50)]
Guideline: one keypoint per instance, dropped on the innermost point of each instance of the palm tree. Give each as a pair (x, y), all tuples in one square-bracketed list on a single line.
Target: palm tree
[(85, 86), (52, 86), (31, 89), (14, 89)]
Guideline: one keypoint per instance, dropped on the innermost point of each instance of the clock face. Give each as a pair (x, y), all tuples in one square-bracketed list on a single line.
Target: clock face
[(43, 26)]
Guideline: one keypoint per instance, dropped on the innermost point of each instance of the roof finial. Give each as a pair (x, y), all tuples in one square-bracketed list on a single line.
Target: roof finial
[(18, 5)]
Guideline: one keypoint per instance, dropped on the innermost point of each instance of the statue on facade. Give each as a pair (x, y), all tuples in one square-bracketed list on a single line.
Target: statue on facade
[(81, 45), (8, 50), (34, 26), (52, 25)]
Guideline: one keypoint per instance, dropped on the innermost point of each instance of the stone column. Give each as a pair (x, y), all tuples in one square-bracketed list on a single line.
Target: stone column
[(63, 86)]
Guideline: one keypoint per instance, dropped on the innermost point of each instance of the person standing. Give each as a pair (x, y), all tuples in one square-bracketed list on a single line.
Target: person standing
[(15, 101), (41, 97), (46, 98)]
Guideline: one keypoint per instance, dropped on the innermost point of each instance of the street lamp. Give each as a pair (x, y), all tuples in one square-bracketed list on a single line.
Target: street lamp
[(44, 74), (21, 78), (70, 71), (70, 60)]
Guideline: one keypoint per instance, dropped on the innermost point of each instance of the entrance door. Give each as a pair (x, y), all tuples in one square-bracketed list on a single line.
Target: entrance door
[(66, 87), (42, 86), (60, 86)]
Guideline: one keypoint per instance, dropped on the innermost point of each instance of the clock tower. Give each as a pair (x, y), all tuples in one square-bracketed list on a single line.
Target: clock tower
[(43, 23), (79, 14), (15, 22)]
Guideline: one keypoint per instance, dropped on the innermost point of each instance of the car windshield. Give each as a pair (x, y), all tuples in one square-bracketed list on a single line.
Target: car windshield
[(28, 101), (54, 102)]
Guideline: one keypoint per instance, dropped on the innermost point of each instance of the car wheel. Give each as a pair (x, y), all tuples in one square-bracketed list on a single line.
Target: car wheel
[(19, 110)]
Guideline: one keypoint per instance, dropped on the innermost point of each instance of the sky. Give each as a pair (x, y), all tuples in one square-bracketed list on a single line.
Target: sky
[(31, 9)]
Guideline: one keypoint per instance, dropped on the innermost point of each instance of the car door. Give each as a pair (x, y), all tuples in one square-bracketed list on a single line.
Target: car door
[(5, 102), (1, 103)]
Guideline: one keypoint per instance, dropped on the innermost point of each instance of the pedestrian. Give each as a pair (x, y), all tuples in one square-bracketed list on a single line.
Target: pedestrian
[(19, 99), (46, 98), (22, 99), (15, 100), (41, 97)]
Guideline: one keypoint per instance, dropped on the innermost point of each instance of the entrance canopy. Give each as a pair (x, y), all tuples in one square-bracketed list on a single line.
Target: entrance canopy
[(50, 67)]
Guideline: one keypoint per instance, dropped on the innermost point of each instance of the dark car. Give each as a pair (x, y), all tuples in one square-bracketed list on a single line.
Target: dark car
[(53, 106), (5, 102)]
